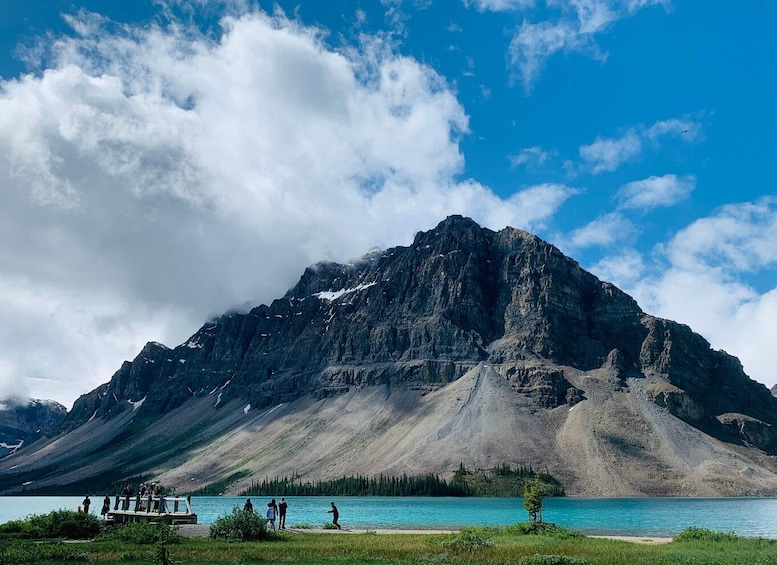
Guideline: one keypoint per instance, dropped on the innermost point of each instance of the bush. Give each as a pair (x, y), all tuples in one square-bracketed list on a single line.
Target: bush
[(66, 524), (542, 528), (552, 560), (703, 534), (470, 539), (147, 533), (239, 526)]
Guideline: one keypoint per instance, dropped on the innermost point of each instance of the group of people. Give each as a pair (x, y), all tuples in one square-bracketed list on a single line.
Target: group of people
[(274, 510), (278, 510), (150, 497)]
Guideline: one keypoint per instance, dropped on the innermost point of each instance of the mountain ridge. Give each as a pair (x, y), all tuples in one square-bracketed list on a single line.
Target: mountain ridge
[(503, 310)]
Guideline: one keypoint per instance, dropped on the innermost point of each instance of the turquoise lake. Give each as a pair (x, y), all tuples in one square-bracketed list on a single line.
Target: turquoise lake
[(751, 517)]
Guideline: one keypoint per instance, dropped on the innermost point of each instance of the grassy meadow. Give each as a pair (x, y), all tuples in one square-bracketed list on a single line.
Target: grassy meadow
[(472, 545)]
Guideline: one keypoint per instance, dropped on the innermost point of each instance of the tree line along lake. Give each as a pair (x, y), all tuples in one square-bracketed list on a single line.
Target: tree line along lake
[(750, 517)]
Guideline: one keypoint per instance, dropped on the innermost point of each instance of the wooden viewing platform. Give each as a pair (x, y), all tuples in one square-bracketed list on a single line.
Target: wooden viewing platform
[(168, 509)]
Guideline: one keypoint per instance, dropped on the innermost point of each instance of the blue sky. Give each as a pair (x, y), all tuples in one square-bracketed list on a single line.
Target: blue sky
[(161, 162)]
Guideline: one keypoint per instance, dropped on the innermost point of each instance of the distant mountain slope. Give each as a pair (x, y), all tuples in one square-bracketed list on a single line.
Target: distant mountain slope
[(26, 423), (469, 346)]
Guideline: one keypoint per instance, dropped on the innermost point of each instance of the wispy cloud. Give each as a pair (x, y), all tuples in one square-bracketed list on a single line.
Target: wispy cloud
[(604, 231), (624, 269), (499, 5), (530, 157), (656, 192), (570, 26), (607, 154)]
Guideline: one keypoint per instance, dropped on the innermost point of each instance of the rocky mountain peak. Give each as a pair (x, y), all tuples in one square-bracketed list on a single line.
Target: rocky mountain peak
[(460, 301)]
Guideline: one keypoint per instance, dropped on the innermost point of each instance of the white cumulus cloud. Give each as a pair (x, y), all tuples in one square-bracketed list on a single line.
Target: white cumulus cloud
[(696, 280), (154, 176), (656, 192)]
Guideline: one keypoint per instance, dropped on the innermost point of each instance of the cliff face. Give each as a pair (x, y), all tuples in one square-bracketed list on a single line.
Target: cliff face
[(24, 424), (419, 318)]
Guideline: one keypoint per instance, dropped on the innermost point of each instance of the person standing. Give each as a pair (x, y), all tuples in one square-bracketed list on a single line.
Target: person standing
[(282, 506), (271, 513), (335, 515), (249, 507), (86, 504), (106, 506)]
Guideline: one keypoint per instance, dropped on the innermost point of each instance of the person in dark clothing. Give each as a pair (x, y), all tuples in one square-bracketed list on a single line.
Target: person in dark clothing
[(282, 506), (335, 515), (249, 507), (106, 506), (86, 504), (127, 496)]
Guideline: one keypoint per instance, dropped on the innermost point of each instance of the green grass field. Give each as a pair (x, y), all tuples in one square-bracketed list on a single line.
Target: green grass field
[(472, 545)]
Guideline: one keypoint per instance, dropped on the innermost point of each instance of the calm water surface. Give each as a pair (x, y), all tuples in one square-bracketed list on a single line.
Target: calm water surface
[(752, 517)]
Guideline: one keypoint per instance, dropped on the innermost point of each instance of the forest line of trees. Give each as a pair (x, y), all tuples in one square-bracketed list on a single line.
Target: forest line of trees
[(499, 481)]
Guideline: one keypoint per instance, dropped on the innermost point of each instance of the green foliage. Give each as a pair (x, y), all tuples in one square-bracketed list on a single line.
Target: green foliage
[(552, 560), (471, 539), (703, 534), (66, 524), (306, 548), (542, 529), (329, 526), (35, 553), (503, 481), (239, 526), (533, 493), (147, 533), (499, 481)]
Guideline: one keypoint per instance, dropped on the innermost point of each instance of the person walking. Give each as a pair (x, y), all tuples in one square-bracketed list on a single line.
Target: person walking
[(106, 506), (335, 515), (282, 506)]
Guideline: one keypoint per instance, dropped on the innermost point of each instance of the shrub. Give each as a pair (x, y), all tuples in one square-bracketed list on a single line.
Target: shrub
[(470, 539), (66, 524), (147, 533), (703, 534), (552, 560), (533, 493), (239, 526), (542, 528)]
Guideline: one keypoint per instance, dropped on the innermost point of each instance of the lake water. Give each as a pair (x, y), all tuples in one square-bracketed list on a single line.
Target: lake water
[(751, 517)]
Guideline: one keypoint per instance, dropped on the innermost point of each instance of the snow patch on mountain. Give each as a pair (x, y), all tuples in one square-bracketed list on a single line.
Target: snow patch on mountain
[(331, 295)]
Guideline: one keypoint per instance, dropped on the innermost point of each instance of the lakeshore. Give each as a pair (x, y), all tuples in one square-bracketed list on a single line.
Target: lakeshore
[(630, 517)]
